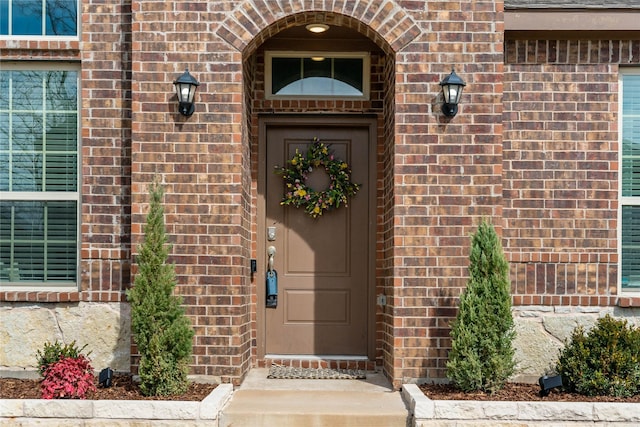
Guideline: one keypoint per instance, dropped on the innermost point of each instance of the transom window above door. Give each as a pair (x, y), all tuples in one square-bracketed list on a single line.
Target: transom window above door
[(317, 75)]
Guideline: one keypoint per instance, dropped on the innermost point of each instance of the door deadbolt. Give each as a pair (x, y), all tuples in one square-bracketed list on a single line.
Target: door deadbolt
[(271, 234)]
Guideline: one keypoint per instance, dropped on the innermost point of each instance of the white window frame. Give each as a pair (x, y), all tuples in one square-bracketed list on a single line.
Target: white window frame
[(366, 73), (45, 37), (52, 195), (624, 200)]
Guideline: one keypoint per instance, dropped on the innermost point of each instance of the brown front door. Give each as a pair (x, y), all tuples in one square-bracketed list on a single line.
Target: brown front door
[(322, 264)]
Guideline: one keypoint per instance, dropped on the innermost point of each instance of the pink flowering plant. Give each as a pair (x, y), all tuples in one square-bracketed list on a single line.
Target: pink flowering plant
[(68, 378), (299, 194)]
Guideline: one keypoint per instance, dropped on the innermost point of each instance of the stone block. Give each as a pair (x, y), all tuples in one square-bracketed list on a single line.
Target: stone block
[(148, 423), (531, 310), (23, 331), (54, 408), (561, 327), (435, 423), (500, 410), (419, 405), (535, 349), (145, 409), (11, 408), (211, 406), (104, 327), (556, 411), (616, 412), (458, 410)]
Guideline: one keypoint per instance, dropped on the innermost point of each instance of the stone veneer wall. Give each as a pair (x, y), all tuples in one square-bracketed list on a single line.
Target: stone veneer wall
[(25, 327), (542, 331)]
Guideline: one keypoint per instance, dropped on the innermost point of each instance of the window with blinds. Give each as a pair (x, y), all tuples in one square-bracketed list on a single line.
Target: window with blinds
[(39, 198), (630, 181), (39, 18)]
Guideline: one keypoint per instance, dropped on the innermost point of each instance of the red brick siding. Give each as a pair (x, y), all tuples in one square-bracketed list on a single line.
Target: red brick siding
[(203, 163), (447, 174), (385, 281), (540, 161), (561, 169), (105, 63), (436, 176)]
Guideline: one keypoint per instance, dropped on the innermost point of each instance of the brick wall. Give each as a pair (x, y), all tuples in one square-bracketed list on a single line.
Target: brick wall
[(436, 176), (382, 97), (447, 173), (534, 148), (105, 64), (202, 161), (561, 169), (106, 150)]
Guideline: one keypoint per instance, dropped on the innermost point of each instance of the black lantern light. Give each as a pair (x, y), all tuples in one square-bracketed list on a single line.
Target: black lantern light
[(186, 86), (452, 86)]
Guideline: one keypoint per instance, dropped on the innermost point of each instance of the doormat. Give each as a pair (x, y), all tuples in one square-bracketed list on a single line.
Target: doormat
[(289, 373)]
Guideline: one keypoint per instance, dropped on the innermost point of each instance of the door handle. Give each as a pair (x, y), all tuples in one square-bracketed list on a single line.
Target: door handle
[(272, 280), (271, 252)]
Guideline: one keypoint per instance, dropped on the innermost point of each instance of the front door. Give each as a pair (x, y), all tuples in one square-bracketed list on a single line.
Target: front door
[(322, 264)]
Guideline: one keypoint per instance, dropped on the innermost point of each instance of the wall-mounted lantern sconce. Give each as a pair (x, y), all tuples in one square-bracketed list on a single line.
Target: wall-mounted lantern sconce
[(186, 86), (452, 86)]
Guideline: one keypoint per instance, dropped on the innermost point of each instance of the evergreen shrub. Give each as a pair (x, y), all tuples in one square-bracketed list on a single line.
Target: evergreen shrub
[(482, 355), (605, 361), (160, 327)]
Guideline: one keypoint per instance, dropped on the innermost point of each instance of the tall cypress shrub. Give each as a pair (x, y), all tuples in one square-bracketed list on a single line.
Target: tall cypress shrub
[(482, 355), (160, 327)]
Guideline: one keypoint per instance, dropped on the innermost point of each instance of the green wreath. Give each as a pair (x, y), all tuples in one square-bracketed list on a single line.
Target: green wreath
[(295, 174)]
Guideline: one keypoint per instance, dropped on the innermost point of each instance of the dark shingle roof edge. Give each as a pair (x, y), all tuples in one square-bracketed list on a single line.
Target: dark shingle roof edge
[(572, 4)]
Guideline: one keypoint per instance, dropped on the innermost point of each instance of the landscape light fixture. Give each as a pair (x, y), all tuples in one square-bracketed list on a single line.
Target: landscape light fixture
[(452, 86), (317, 28), (186, 86)]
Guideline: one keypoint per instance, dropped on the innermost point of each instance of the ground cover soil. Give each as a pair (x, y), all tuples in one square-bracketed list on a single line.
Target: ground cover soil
[(516, 392), (123, 388)]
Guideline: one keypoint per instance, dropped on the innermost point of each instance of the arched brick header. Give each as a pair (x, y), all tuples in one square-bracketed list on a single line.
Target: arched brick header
[(254, 21)]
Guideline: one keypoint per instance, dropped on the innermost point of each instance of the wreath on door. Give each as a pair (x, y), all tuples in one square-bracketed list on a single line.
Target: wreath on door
[(299, 194)]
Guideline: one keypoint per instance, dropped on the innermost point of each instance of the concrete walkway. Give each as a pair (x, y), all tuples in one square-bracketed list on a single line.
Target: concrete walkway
[(337, 403)]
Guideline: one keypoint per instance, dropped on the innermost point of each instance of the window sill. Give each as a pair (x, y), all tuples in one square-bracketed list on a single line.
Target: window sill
[(627, 301), (40, 295), (40, 48)]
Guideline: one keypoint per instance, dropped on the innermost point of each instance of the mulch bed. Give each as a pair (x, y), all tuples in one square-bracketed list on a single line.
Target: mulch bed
[(515, 392), (123, 388)]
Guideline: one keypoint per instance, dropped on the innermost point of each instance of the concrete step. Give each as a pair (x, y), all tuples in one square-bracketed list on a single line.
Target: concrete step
[(315, 403), (276, 408)]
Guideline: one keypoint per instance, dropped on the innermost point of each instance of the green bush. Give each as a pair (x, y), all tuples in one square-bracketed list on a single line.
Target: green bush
[(52, 353), (481, 356), (160, 327), (605, 361)]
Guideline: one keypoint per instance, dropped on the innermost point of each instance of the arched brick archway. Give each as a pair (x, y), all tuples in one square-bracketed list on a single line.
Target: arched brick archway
[(247, 28), (252, 22)]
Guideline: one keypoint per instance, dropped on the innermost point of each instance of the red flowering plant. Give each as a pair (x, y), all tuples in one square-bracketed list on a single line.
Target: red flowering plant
[(68, 378)]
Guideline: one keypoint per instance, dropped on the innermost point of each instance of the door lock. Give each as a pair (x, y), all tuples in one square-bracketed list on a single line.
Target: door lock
[(271, 234)]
